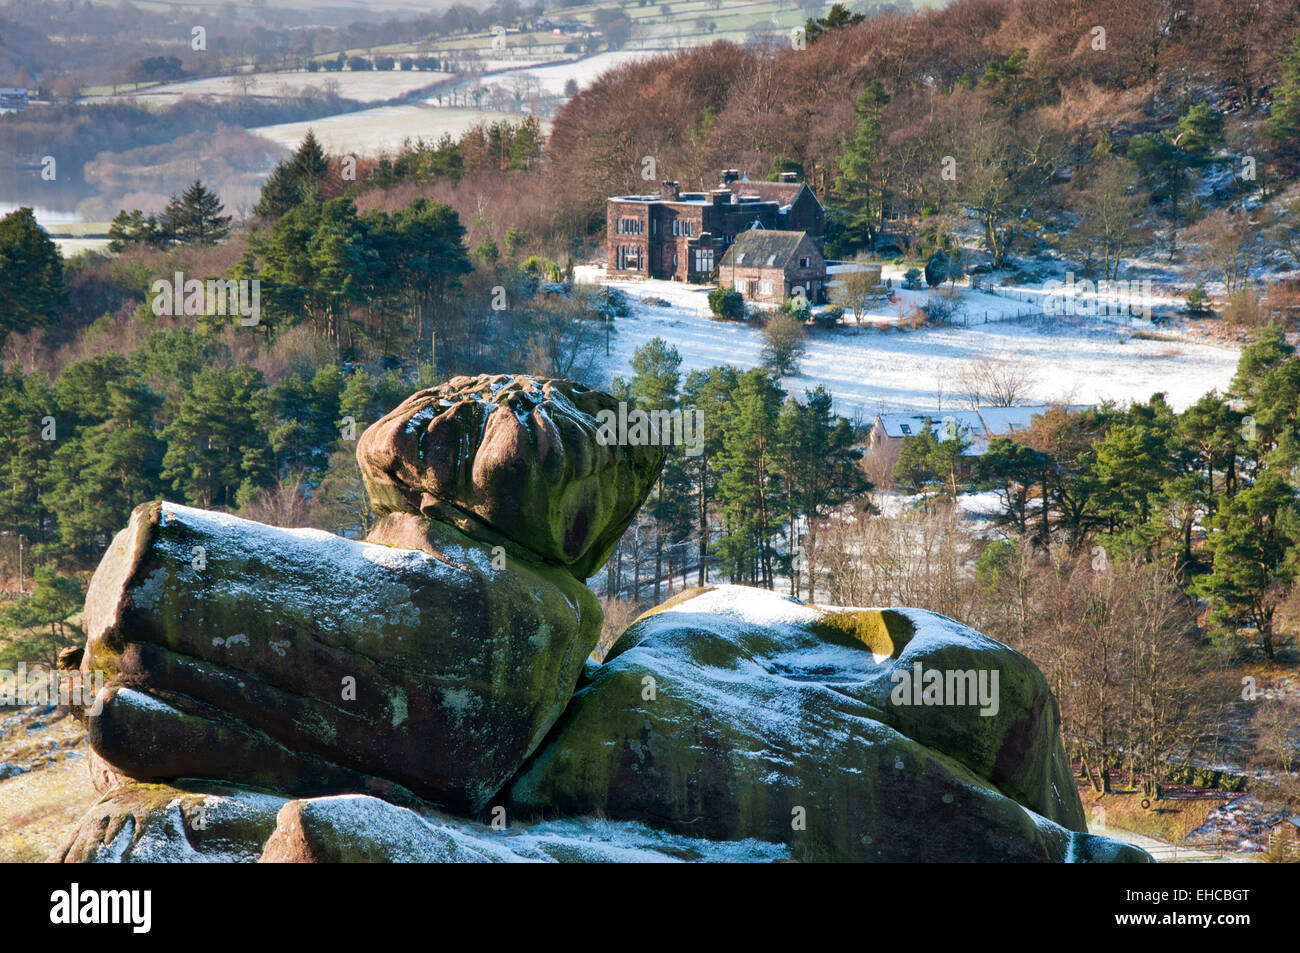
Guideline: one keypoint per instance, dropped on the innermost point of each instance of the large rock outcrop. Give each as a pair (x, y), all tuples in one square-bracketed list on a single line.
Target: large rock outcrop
[(376, 701), (425, 661), (514, 461), (298, 660), (734, 712)]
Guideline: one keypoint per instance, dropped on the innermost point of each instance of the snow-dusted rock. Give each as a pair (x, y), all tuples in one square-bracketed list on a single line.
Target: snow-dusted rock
[(158, 823), (358, 828), (304, 662), (514, 461), (214, 823), (737, 713)]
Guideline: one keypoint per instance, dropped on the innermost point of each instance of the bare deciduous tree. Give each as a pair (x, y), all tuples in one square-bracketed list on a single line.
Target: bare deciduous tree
[(990, 383)]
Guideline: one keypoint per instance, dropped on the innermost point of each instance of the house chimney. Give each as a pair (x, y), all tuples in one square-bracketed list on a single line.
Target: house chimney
[(670, 191), (789, 177), (729, 176), (721, 196)]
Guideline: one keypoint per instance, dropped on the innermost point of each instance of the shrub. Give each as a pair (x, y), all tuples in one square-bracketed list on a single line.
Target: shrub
[(941, 307), (829, 317), (936, 269), (783, 343), (727, 303), (1198, 302), (611, 303), (796, 307), (1245, 309), (912, 279)]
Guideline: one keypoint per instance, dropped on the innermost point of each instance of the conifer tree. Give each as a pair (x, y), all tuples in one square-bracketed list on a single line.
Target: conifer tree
[(195, 217)]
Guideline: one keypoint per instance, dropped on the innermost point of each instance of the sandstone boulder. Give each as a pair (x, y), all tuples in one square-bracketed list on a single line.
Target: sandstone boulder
[(160, 823), (511, 460), (217, 823), (308, 663), (737, 713), (362, 829)]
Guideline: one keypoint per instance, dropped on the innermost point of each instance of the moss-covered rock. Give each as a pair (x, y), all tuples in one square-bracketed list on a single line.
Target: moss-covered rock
[(308, 663), (162, 823), (515, 461), (734, 712)]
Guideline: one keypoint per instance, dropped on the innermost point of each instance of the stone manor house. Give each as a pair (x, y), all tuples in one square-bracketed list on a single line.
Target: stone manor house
[(684, 236)]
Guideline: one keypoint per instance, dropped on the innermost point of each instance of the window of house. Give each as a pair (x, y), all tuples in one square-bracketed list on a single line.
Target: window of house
[(629, 258), (765, 287), (906, 428), (740, 259), (704, 259), (805, 262)]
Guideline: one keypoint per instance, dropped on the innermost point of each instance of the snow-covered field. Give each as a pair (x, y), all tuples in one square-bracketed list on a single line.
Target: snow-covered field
[(371, 131), (869, 370), (584, 72), (366, 86)]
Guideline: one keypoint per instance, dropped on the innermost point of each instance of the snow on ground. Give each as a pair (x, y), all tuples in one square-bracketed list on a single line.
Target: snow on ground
[(75, 246), (371, 131), (869, 370), (366, 86), (583, 71)]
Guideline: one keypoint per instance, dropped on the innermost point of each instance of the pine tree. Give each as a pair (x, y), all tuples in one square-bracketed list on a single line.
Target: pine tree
[(747, 490), (31, 274), (53, 599), (29, 408), (707, 393), (109, 461), (134, 228), (1284, 116), (195, 217), (860, 186), (654, 387), (218, 451), (817, 465), (526, 148), (1166, 160), (295, 181), (1250, 538)]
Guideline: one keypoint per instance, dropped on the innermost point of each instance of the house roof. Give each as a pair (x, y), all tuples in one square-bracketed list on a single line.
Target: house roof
[(981, 425), (763, 248), (783, 193)]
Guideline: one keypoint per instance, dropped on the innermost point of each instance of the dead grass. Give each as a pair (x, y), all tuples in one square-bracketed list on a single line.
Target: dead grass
[(39, 808), (1167, 820)]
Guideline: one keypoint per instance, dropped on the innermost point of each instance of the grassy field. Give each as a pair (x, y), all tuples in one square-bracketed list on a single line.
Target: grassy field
[(1167, 820)]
